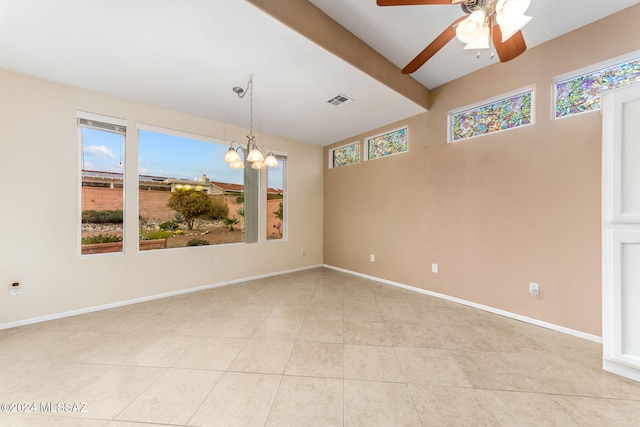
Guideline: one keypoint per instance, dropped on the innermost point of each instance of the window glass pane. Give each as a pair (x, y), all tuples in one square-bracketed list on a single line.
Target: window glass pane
[(102, 194), (389, 143), (581, 94), (276, 200), (188, 195), (347, 155), (503, 114)]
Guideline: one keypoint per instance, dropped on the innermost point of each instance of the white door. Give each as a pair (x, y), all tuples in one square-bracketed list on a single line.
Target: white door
[(621, 231)]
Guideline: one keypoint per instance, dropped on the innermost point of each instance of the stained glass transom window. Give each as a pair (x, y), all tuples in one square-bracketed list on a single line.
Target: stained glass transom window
[(581, 94), (394, 142), (345, 155), (502, 114)]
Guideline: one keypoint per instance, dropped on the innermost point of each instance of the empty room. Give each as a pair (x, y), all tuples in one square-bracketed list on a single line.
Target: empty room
[(320, 213)]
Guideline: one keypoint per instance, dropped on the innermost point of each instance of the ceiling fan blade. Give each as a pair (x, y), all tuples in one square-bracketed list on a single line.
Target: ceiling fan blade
[(509, 49), (415, 2), (447, 35)]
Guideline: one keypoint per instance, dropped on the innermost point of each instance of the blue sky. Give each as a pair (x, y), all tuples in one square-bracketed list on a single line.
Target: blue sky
[(164, 155)]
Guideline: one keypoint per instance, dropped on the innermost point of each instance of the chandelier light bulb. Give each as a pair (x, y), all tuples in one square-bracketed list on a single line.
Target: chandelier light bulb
[(255, 155), (232, 156), (271, 160)]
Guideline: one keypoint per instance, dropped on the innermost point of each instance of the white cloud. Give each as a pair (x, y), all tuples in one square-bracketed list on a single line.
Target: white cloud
[(99, 150)]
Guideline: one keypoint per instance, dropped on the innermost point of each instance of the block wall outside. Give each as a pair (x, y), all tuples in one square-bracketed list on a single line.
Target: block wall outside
[(153, 204)]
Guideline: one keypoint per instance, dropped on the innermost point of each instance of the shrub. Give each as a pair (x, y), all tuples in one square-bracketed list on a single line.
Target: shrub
[(102, 217), (153, 235), (197, 242), (219, 208), (101, 238), (241, 211), (168, 225), (190, 203), (230, 222), (177, 217), (240, 199)]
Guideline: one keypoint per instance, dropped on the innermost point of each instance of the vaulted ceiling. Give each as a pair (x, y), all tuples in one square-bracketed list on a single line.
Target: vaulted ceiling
[(187, 55)]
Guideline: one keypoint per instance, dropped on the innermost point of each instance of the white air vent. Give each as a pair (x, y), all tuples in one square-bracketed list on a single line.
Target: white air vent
[(339, 100)]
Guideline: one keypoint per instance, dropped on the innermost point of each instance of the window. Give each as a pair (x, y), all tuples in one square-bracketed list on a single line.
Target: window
[(102, 142), (188, 195), (276, 200), (345, 155), (508, 111), (580, 92), (394, 142)]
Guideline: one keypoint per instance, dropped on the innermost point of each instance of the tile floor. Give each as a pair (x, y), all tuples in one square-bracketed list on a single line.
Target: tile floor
[(314, 348)]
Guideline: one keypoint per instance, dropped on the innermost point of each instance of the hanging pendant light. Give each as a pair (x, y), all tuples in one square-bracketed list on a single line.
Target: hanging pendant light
[(253, 153)]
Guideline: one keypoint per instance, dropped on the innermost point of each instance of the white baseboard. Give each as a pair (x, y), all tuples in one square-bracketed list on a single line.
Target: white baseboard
[(489, 309), (86, 310)]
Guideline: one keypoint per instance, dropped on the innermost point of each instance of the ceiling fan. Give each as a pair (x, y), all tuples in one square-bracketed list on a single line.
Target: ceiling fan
[(486, 21)]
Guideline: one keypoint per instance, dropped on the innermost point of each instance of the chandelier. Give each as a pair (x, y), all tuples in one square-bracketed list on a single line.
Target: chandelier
[(475, 30), (253, 153)]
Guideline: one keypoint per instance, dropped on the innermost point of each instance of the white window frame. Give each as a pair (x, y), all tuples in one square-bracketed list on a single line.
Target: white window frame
[(331, 157), (115, 121), (501, 97), (365, 156), (583, 71)]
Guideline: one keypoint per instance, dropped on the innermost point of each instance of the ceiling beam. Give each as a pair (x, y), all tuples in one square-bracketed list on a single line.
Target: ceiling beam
[(309, 21)]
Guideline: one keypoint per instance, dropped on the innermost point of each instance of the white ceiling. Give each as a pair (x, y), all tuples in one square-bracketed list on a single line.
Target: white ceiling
[(187, 55), (399, 33)]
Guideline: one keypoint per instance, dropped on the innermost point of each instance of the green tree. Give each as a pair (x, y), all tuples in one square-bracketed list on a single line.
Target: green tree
[(190, 203), (279, 213)]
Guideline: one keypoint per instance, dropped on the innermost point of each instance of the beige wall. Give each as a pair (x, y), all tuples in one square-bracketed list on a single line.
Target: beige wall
[(495, 212), (39, 244)]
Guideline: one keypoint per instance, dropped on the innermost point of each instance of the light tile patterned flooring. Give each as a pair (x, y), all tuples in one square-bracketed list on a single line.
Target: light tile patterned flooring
[(314, 348)]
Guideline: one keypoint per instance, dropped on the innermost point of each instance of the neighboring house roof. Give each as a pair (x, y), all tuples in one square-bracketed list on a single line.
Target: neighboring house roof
[(225, 187)]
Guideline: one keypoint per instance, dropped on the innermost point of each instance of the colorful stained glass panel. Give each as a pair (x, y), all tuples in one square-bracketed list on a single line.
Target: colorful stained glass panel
[(347, 155), (505, 113), (582, 93), (389, 143)]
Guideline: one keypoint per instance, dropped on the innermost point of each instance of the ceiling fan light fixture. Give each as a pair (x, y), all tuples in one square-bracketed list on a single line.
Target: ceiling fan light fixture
[(481, 42), (512, 25), (512, 7), (471, 28)]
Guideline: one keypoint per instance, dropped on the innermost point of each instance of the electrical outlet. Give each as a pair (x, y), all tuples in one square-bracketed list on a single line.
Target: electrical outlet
[(15, 288), (303, 252), (372, 258), (534, 288), (434, 268), (217, 263)]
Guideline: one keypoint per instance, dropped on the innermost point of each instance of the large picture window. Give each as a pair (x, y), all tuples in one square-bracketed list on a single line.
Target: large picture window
[(581, 91), (188, 195), (505, 112), (102, 143)]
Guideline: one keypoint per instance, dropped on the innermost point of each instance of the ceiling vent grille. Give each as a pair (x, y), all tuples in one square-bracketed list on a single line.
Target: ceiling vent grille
[(339, 100)]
